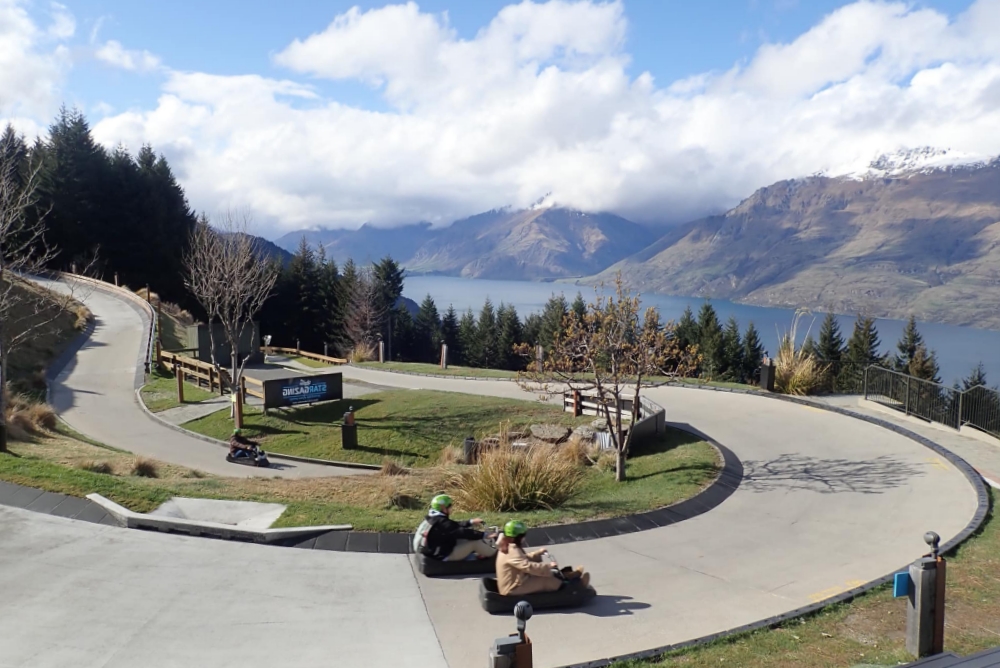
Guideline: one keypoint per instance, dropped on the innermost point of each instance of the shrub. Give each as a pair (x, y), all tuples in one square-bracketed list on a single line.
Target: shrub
[(797, 371), (578, 451), (104, 468), (513, 479), (83, 316), (145, 468), (26, 417), (363, 352)]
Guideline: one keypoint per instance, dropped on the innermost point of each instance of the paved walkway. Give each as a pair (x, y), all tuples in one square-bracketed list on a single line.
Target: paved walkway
[(95, 394), (828, 503)]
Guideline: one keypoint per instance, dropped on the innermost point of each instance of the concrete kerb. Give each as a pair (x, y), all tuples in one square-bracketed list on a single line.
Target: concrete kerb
[(276, 455), (982, 511), (133, 520)]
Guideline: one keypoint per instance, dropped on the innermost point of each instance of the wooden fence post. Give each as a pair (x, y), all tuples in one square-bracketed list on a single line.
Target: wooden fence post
[(179, 374), (444, 355), (238, 413), (326, 349), (577, 408)]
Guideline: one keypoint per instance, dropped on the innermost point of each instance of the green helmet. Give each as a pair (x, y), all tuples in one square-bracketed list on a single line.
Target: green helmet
[(237, 432), (440, 502), (515, 528)]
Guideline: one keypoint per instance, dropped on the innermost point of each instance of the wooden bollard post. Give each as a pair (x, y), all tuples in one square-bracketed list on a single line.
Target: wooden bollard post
[(577, 408), (238, 413), (444, 355), (326, 349), (179, 374), (116, 279)]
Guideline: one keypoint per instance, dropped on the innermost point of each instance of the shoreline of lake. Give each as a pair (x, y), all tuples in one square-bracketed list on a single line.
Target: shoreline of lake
[(958, 348)]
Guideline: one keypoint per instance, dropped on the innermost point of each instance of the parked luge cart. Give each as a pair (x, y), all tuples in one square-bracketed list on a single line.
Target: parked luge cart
[(573, 594)]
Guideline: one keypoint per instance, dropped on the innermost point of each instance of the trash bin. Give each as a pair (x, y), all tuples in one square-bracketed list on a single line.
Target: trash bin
[(767, 377), (470, 450), (349, 432)]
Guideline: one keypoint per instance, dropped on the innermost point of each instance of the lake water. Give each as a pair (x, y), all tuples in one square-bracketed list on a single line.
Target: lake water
[(958, 349)]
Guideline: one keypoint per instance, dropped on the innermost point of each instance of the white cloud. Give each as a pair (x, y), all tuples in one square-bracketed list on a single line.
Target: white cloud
[(540, 101), (113, 53), (32, 63)]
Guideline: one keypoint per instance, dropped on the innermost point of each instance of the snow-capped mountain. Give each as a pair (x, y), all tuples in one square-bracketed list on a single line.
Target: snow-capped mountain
[(909, 162)]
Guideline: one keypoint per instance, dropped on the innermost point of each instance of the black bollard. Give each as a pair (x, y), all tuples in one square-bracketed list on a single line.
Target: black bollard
[(349, 431)]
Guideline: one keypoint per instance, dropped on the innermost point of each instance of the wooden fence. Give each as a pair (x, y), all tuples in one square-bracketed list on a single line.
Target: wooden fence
[(200, 373), (252, 386), (652, 417), (270, 350)]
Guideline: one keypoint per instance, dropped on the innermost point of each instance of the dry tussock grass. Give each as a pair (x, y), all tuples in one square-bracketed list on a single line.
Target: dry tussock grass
[(797, 372), (511, 479), (578, 451), (145, 468), (450, 455), (363, 352), (105, 468), (391, 467), (26, 418)]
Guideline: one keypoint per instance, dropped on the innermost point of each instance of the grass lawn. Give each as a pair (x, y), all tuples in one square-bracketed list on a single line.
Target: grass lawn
[(675, 469), (160, 393), (409, 426), (871, 629)]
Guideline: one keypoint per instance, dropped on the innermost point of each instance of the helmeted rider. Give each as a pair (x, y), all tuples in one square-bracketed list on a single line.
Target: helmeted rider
[(440, 537), (238, 442), (520, 572)]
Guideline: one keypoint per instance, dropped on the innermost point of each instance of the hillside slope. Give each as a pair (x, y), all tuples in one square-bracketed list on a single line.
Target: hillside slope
[(924, 242), (529, 244)]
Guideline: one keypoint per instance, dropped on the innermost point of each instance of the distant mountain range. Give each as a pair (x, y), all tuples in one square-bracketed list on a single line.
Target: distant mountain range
[(923, 241), (540, 243), (916, 232)]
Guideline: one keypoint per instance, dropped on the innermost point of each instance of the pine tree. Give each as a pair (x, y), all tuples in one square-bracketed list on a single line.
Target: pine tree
[(531, 329), (389, 279), (331, 309), (732, 352), (404, 331), (651, 322), (710, 341), (753, 353), (303, 298), (686, 331), (924, 365), (862, 347), (907, 346), (976, 378), (450, 335), (579, 307), (509, 335), (486, 337), (427, 332), (469, 339), (553, 314), (831, 343)]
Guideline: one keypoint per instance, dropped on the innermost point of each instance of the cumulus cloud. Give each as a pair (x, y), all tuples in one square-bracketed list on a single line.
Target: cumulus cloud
[(114, 54), (540, 100), (33, 62)]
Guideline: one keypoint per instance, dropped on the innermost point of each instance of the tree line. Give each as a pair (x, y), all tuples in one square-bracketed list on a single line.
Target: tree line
[(111, 211)]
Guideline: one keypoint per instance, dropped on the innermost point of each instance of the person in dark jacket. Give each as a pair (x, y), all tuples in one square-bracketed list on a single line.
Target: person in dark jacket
[(238, 442), (441, 537)]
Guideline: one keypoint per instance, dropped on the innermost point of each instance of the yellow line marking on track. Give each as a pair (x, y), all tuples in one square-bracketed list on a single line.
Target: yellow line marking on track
[(830, 592), (937, 463)]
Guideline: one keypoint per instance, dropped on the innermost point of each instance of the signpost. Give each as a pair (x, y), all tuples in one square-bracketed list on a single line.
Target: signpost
[(300, 390)]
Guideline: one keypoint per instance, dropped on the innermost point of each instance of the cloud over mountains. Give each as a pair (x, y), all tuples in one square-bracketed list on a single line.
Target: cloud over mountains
[(541, 101)]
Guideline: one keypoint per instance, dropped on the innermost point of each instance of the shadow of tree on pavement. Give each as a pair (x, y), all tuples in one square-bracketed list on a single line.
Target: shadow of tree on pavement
[(828, 476)]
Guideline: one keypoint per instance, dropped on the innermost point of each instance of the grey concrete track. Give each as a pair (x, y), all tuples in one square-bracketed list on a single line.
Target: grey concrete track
[(95, 394), (88, 596), (828, 503)]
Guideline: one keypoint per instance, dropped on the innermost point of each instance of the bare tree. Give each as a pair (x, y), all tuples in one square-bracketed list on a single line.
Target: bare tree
[(613, 353), (366, 311), (231, 278), (26, 310)]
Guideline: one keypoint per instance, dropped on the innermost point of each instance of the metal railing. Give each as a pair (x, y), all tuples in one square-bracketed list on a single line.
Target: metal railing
[(977, 407), (980, 408), (913, 396)]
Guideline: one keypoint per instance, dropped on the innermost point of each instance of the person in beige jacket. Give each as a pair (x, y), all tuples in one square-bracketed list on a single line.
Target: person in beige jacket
[(520, 572)]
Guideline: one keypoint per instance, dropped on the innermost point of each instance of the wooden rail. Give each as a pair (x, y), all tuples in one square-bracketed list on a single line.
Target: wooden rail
[(252, 386), (302, 353), (203, 373)]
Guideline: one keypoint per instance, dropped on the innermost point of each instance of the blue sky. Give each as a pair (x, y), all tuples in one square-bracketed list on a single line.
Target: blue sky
[(337, 114), (670, 39)]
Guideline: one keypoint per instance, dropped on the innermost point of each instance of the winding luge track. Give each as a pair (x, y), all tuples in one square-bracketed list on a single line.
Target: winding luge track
[(827, 504)]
